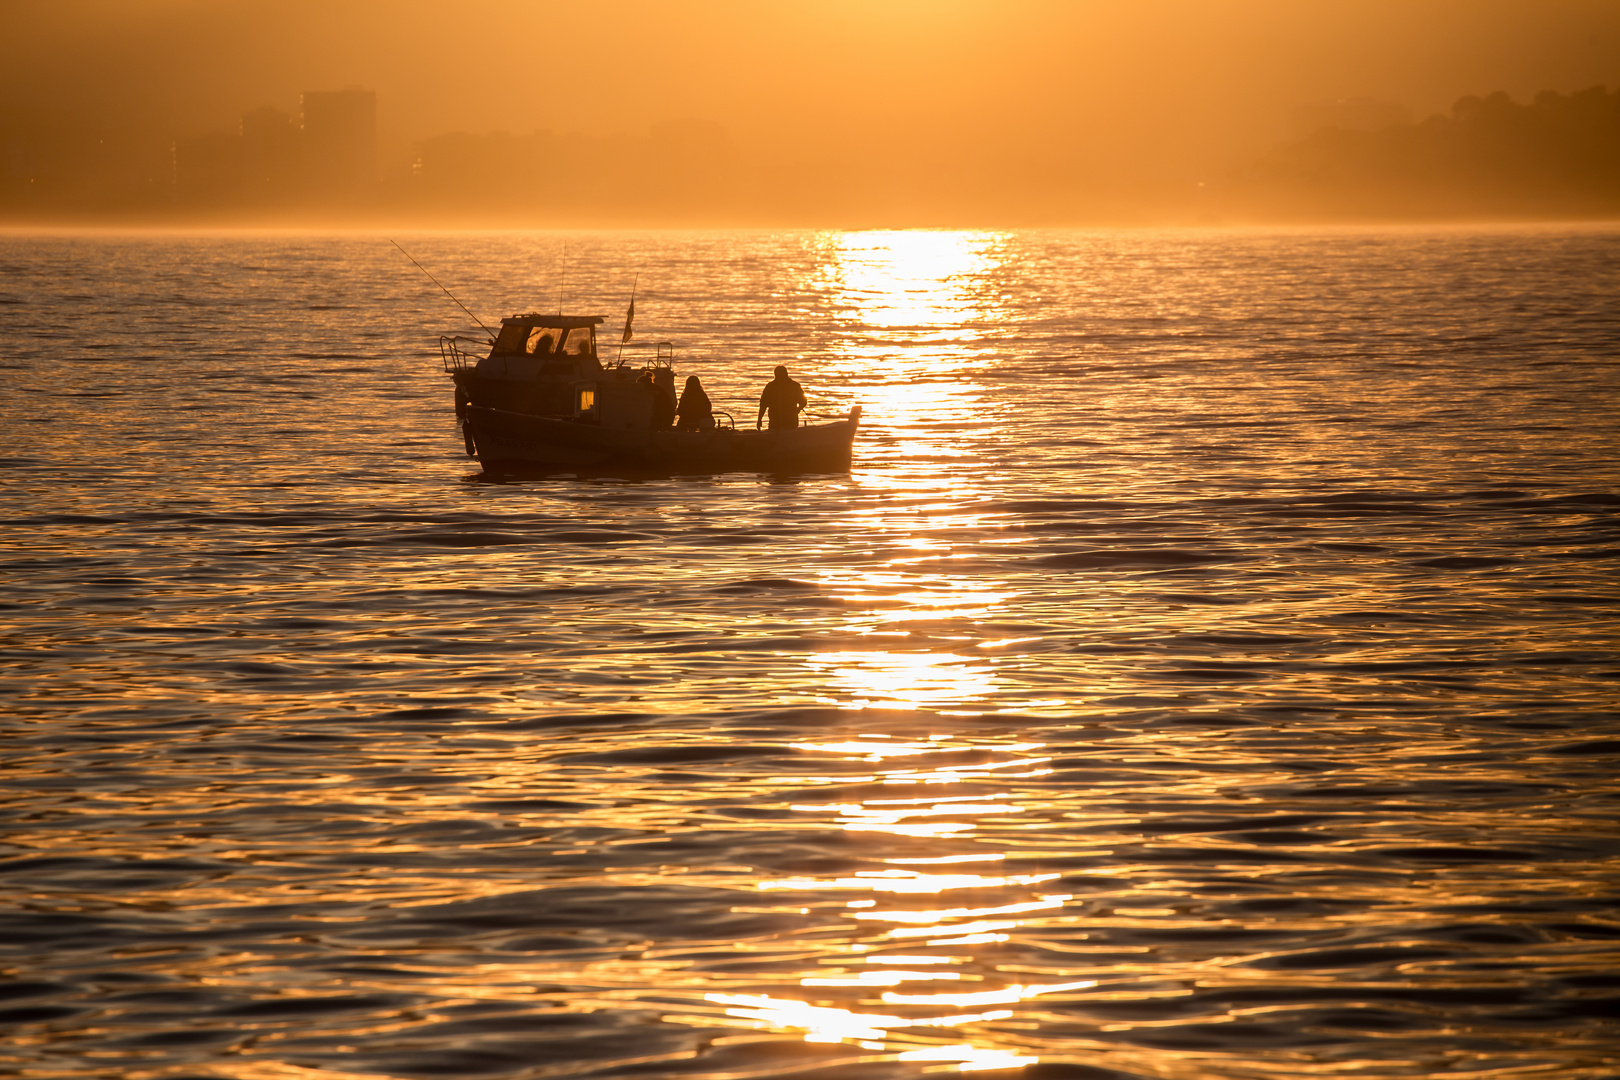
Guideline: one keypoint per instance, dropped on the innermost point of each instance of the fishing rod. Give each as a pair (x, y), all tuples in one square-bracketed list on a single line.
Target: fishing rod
[(447, 292)]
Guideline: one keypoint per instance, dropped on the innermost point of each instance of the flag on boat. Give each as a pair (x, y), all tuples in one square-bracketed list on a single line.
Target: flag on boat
[(629, 317)]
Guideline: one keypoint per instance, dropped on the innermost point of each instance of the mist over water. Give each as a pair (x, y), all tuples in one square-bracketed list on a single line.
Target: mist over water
[(972, 113), (1206, 670)]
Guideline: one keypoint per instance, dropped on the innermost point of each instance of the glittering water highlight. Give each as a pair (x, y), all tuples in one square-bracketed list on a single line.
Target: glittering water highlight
[(1206, 669)]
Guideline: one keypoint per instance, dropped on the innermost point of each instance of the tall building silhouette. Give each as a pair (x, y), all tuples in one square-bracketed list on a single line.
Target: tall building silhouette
[(340, 143)]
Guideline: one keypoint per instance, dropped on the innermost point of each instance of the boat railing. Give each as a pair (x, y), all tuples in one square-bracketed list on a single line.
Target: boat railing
[(454, 353)]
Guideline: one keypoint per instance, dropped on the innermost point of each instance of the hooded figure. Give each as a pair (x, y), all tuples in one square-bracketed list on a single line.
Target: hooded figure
[(694, 412)]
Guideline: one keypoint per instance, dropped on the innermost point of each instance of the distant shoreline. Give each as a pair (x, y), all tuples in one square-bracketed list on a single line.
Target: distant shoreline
[(171, 226)]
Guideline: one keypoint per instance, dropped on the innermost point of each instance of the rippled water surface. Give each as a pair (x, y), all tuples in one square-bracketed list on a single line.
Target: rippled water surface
[(1207, 669)]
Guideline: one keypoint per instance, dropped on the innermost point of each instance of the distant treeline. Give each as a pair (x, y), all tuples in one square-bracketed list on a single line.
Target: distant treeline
[(1558, 156)]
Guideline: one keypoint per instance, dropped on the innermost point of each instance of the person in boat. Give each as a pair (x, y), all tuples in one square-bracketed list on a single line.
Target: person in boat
[(695, 411), (783, 399), (663, 402)]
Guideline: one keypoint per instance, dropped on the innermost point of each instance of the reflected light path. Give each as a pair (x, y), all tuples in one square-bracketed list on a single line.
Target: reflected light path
[(917, 279), (916, 310), (906, 679), (980, 1038), (1251, 583)]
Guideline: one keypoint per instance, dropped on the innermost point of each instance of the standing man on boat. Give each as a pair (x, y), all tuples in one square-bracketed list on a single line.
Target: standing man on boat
[(783, 399)]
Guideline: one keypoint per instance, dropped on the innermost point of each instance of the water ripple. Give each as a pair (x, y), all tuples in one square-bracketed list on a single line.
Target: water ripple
[(1205, 670)]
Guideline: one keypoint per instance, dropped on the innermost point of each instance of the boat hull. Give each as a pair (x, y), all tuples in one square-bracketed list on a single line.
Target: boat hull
[(507, 441)]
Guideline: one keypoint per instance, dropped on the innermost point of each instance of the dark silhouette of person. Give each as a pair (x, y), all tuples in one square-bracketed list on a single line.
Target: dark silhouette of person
[(695, 411), (542, 346), (663, 403), (783, 399)]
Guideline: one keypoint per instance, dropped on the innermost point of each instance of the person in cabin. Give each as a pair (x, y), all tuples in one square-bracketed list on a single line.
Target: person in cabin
[(783, 399), (695, 411), (663, 402), (542, 346)]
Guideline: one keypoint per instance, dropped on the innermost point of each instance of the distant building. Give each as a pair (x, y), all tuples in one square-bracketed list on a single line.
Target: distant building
[(339, 130)]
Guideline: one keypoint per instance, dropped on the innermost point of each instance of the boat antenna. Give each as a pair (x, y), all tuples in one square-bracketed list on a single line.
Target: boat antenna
[(562, 275), (447, 292), (629, 318)]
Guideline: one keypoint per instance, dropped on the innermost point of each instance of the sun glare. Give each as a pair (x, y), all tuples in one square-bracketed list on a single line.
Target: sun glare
[(917, 280), (922, 308)]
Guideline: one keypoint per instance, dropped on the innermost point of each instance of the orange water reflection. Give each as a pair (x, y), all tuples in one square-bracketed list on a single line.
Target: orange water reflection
[(295, 764), (917, 309), (925, 280), (906, 963), (916, 312), (975, 1002)]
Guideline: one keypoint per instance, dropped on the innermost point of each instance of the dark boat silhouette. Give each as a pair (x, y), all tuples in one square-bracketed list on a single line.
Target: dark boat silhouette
[(542, 400)]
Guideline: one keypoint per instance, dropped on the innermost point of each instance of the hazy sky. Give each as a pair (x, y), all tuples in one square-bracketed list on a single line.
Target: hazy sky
[(1110, 86)]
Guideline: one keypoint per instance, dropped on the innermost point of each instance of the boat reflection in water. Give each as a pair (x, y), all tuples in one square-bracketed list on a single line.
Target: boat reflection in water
[(542, 400)]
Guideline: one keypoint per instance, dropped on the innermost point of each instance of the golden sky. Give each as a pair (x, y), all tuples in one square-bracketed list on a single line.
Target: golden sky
[(1106, 88)]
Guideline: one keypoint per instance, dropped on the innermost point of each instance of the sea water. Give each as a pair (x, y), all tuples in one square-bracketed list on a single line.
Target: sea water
[(1206, 669)]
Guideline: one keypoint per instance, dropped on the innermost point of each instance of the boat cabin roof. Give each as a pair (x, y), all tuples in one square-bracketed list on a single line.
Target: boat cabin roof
[(554, 322)]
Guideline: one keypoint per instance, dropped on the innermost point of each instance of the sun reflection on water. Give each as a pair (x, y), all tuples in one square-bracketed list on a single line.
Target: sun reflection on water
[(953, 987), (869, 1030), (912, 672), (915, 311), (338, 760), (899, 881), (917, 314), (916, 279)]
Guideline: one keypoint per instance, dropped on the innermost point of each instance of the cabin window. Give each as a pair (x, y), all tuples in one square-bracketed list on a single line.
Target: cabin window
[(582, 342), (511, 339), (587, 400), (541, 341)]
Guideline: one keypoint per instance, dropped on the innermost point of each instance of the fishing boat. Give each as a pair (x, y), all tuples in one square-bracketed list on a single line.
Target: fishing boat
[(542, 400)]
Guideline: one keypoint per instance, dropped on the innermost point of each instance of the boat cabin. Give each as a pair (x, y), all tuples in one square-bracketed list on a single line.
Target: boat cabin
[(618, 399), (537, 346), (546, 365)]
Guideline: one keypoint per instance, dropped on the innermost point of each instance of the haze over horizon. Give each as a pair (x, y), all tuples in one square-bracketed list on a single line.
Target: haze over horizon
[(956, 109)]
